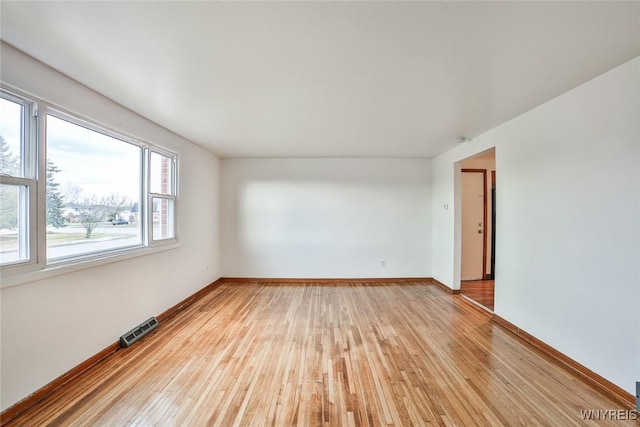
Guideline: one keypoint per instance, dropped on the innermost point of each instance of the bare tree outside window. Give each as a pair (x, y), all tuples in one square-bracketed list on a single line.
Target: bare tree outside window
[(117, 204), (93, 211)]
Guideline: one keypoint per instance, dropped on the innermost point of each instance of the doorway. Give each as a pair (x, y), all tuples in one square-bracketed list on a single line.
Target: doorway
[(474, 219), (478, 225)]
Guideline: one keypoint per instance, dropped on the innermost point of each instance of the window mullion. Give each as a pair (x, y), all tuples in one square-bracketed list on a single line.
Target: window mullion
[(39, 158), (145, 200)]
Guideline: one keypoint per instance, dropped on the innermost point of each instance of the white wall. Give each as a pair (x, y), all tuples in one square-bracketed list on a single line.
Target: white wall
[(49, 326), (568, 225), (323, 218)]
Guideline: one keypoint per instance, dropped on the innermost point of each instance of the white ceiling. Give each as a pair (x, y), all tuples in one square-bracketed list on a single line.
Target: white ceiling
[(327, 79)]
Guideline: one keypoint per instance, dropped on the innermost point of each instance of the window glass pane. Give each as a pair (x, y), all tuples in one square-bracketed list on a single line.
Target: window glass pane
[(162, 218), (93, 191), (161, 174), (10, 137), (14, 229)]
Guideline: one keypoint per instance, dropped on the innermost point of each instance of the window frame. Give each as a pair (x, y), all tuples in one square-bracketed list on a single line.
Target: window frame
[(38, 266)]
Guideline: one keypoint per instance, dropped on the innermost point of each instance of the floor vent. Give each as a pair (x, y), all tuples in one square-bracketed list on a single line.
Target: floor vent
[(138, 332)]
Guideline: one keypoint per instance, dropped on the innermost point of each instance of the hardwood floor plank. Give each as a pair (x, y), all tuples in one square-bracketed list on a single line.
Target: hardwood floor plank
[(481, 291), (325, 354)]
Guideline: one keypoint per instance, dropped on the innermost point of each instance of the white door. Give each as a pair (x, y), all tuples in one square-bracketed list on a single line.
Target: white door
[(473, 226)]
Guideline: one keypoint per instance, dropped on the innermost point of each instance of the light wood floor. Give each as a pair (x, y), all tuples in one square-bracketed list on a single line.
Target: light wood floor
[(324, 354), (481, 291)]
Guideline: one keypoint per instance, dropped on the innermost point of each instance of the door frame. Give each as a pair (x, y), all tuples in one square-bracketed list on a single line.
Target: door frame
[(484, 217), (492, 275)]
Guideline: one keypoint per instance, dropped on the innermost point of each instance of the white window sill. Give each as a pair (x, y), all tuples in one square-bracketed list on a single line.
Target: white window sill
[(9, 278)]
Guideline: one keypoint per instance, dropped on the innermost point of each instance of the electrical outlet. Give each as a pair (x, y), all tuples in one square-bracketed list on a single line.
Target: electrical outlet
[(383, 263)]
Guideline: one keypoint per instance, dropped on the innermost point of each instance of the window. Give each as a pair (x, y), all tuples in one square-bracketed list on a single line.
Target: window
[(17, 183), (93, 183), (93, 193), (162, 192), (14, 245)]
